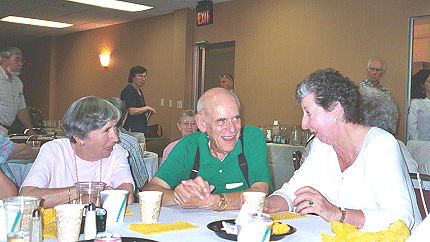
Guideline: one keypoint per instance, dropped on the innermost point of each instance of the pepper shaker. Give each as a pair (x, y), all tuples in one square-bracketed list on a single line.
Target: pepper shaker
[(36, 227)]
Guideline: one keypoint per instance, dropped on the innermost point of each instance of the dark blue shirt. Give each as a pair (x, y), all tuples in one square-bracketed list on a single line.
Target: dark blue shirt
[(133, 99)]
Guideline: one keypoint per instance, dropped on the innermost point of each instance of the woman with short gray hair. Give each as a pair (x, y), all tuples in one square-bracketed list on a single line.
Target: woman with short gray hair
[(88, 153), (187, 125)]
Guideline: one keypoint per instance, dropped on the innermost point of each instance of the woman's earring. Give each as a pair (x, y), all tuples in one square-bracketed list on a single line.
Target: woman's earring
[(82, 144), (335, 120)]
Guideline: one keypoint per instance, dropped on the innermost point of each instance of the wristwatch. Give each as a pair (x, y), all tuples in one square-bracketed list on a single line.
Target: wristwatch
[(342, 218), (222, 204)]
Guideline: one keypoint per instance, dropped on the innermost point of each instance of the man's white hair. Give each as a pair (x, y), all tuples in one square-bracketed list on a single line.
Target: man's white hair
[(372, 59)]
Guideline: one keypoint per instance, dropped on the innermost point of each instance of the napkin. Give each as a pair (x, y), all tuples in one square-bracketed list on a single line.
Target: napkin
[(396, 232), (285, 216), (149, 229), (49, 228)]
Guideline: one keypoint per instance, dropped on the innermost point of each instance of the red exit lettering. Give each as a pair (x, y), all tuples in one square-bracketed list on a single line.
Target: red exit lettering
[(203, 18)]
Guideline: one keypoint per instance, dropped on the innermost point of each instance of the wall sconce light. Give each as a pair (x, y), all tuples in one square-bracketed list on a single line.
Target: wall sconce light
[(104, 60)]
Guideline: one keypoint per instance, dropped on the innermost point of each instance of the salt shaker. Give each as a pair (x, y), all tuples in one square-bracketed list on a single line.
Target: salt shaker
[(36, 227), (90, 229)]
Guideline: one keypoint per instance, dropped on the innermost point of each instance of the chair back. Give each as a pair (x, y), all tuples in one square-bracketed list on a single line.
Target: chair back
[(420, 151), (424, 189)]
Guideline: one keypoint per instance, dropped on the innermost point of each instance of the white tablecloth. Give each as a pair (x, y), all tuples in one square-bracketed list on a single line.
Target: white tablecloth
[(281, 162), (151, 163), (309, 229)]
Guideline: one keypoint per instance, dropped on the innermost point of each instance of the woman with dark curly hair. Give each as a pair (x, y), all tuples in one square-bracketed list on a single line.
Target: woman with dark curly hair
[(419, 111), (353, 174)]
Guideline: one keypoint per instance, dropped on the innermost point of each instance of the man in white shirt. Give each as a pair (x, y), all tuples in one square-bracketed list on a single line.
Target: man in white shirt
[(12, 102)]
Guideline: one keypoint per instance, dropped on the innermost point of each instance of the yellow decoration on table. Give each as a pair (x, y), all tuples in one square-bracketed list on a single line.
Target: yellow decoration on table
[(285, 216), (396, 232), (49, 228), (280, 228), (149, 229)]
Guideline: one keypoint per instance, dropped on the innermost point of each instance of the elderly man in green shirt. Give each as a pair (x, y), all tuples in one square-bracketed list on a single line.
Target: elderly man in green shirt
[(202, 170)]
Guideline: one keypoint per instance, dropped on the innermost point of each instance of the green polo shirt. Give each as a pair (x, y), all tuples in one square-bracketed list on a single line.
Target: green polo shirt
[(225, 175)]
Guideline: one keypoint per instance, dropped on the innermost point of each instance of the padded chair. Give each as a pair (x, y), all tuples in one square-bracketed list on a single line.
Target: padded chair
[(420, 151), (425, 192)]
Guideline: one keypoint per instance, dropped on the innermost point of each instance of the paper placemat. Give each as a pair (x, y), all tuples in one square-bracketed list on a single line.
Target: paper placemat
[(285, 216), (149, 229), (49, 228)]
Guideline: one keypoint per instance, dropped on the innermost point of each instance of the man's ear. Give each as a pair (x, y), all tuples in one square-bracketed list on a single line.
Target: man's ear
[(123, 121), (3, 61), (201, 123)]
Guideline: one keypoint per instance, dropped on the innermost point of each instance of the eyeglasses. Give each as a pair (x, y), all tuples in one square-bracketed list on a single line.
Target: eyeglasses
[(186, 123), (16, 60), (372, 69), (142, 76), (225, 76)]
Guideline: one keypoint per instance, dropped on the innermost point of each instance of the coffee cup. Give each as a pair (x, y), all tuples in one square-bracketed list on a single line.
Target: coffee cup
[(150, 205), (69, 219), (255, 200)]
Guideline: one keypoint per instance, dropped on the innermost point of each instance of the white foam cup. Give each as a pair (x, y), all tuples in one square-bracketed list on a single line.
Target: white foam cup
[(115, 203)]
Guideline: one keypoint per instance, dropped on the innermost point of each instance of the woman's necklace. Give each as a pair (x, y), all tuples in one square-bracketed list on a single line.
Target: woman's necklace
[(76, 166)]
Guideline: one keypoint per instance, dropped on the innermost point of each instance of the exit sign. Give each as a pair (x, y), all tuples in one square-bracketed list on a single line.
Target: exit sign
[(204, 13)]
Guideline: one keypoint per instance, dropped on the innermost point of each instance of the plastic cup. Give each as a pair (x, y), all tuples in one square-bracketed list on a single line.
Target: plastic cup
[(150, 205), (255, 200), (296, 136), (69, 219), (89, 192), (143, 147), (18, 211), (35, 144), (115, 203)]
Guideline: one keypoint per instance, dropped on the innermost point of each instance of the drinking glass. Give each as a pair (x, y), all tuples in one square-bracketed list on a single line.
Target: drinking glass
[(89, 192), (18, 211)]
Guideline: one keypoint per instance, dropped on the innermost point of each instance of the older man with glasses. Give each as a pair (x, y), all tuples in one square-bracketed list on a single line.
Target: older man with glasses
[(375, 71), (12, 102)]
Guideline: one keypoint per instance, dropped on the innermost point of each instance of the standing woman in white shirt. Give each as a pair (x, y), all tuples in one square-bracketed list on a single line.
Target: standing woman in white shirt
[(419, 111)]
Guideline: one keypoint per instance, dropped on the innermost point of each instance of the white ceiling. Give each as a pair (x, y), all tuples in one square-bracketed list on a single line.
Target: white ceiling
[(83, 17)]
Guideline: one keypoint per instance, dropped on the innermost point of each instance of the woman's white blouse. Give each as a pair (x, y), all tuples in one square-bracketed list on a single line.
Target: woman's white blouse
[(419, 119), (377, 182)]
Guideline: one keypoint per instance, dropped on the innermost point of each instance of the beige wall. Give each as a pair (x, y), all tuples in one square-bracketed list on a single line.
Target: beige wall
[(278, 43)]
